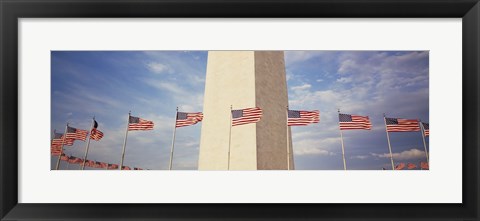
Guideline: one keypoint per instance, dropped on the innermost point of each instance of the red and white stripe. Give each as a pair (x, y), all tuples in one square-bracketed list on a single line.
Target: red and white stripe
[(404, 125), (249, 115), (141, 125), (77, 135), (192, 118), (411, 166), (358, 122), (306, 118), (424, 165), (96, 134), (58, 142)]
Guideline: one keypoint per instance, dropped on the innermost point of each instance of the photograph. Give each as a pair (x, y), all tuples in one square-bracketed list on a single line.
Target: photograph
[(240, 110)]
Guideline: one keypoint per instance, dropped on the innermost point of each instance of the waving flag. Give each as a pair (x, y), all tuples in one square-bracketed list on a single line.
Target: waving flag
[(95, 133), (424, 165), (136, 123), (76, 134), (112, 166), (302, 118), (56, 150), (64, 157), (354, 122), (58, 139), (187, 119), (246, 116), (400, 166), (89, 163), (411, 166), (401, 125), (103, 165), (75, 160), (426, 129)]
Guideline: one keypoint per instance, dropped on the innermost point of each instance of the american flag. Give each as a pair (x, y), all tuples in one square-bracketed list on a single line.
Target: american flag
[(246, 116), (64, 157), (112, 166), (187, 119), (302, 118), (56, 150), (103, 165), (400, 166), (401, 125), (353, 122), (424, 165), (97, 165), (75, 160), (95, 133), (89, 163), (76, 134), (136, 123), (426, 129), (411, 166), (58, 139)]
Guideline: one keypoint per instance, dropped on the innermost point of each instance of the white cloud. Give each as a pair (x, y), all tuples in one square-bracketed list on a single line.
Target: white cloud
[(167, 86), (344, 80), (301, 87), (158, 68), (312, 151), (405, 155), (360, 157)]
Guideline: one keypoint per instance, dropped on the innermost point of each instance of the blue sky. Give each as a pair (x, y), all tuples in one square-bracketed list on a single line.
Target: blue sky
[(151, 84)]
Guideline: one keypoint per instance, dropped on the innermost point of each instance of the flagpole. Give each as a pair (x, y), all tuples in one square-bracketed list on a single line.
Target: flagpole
[(423, 137), (61, 149), (341, 138), (173, 140), (88, 145), (229, 138), (288, 145), (388, 139), (125, 142)]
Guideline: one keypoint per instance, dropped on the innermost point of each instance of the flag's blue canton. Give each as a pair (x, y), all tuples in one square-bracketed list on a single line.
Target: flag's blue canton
[(391, 121), (58, 136), (425, 126), (181, 116), (293, 114), (237, 113), (71, 130), (345, 117), (133, 120)]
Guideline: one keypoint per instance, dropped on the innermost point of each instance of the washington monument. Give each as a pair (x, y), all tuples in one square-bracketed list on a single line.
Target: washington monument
[(244, 79)]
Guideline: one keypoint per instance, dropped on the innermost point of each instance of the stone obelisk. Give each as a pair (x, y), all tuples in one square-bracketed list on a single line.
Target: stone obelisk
[(244, 79)]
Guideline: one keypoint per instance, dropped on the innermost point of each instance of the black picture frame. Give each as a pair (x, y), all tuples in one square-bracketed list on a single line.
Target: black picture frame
[(12, 10)]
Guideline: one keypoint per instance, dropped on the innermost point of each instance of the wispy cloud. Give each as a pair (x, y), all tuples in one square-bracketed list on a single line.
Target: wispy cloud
[(159, 68), (411, 154), (360, 157)]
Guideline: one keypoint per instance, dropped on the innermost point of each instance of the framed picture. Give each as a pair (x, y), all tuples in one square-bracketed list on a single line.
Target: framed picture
[(83, 76)]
